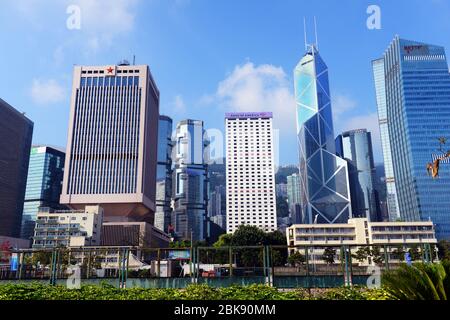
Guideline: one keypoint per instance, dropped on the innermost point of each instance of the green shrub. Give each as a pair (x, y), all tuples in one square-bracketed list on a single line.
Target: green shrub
[(104, 291)]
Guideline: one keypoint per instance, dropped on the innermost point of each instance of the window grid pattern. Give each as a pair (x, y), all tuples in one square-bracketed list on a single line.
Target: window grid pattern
[(104, 155), (250, 174)]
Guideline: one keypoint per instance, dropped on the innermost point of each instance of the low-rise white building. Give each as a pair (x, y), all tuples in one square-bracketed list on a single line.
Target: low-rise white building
[(359, 232), (68, 228)]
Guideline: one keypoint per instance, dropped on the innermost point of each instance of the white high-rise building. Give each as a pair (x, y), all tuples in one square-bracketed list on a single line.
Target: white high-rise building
[(250, 171)]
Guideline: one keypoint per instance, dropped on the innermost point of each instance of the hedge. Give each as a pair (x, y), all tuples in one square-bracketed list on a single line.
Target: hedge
[(38, 291)]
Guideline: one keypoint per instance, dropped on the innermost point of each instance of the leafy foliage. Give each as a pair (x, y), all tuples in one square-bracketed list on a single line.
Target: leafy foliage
[(328, 255), (399, 253), (39, 291), (297, 259), (247, 235), (362, 254), (421, 281), (444, 250)]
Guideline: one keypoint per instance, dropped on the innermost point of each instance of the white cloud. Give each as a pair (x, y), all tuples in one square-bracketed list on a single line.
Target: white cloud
[(101, 20), (179, 105), (257, 88), (106, 16), (342, 103), (45, 92), (267, 88)]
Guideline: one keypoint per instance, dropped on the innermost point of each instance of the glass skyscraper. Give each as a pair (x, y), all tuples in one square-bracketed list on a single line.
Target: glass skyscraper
[(293, 195), (164, 174), (190, 176), (380, 89), (44, 184), (325, 193), (16, 132), (417, 95), (355, 146)]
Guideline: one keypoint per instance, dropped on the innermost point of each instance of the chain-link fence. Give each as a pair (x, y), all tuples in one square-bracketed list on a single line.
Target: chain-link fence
[(279, 266)]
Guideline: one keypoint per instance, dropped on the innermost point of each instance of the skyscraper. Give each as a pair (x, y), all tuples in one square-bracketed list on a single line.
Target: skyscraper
[(355, 146), (190, 176), (325, 193), (417, 96), (112, 141), (44, 184), (164, 174), (16, 132), (250, 171), (293, 194), (380, 88)]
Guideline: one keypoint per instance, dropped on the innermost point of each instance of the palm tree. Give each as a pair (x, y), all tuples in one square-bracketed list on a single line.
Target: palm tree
[(418, 282)]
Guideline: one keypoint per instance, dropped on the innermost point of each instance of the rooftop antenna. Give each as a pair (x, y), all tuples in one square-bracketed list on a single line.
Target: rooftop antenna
[(304, 30), (134, 59), (315, 33)]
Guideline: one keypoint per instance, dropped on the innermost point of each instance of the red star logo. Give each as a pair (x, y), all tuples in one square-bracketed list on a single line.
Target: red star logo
[(110, 70)]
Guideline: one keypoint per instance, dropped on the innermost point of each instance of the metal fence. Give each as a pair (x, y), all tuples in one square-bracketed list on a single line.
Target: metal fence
[(279, 266)]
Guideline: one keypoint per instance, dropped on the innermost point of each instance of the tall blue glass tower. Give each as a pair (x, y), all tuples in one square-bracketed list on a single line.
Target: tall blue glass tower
[(44, 184), (417, 94), (380, 89), (164, 174), (355, 146), (325, 192)]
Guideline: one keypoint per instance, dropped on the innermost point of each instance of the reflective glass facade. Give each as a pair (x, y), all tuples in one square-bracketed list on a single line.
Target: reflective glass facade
[(324, 188), (190, 181), (380, 90), (44, 184), (356, 147), (164, 174), (293, 195), (417, 84)]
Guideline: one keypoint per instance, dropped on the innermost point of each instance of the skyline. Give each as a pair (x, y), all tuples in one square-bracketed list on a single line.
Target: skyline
[(177, 44)]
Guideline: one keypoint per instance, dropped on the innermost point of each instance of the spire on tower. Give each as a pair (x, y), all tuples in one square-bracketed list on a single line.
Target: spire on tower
[(314, 45), (315, 33), (304, 30)]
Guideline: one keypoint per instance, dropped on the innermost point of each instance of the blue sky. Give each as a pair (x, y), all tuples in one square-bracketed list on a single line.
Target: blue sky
[(207, 56)]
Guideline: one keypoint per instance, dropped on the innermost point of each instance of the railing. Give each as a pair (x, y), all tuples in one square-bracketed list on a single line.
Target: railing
[(279, 266)]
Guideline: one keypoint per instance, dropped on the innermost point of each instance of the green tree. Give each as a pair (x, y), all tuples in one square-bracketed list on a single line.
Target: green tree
[(275, 238), (421, 281), (444, 250), (377, 256), (297, 259), (247, 235), (415, 253), (328, 255), (224, 240), (180, 244), (41, 257), (361, 254), (399, 253)]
